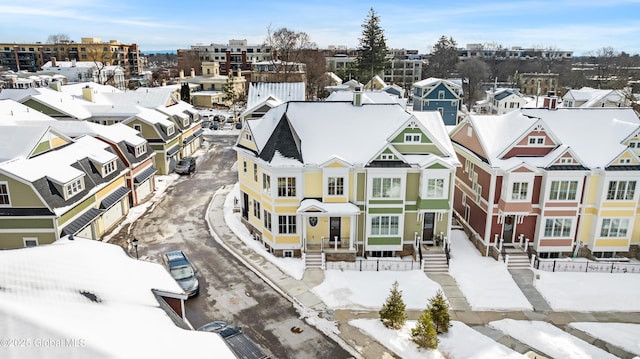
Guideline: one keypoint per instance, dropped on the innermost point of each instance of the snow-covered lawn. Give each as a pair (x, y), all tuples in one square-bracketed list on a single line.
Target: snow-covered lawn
[(586, 292), (369, 290), (461, 342), (550, 340), (485, 282), (623, 335)]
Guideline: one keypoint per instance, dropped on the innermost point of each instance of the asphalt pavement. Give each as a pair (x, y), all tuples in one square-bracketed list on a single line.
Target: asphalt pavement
[(361, 345)]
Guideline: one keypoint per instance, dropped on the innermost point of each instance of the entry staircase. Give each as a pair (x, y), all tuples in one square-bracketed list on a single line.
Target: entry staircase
[(518, 259), (313, 259), (435, 262)]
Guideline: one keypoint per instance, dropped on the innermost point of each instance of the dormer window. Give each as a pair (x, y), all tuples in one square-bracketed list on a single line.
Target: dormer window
[(412, 138), (634, 144), (71, 189), (185, 122), (140, 150), (536, 140), (170, 130), (108, 168)]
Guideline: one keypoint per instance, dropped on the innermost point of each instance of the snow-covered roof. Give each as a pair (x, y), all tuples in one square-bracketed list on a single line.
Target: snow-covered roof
[(114, 133), (98, 299), (593, 97), (347, 209), (380, 97), (83, 64), (607, 127), (433, 81), (324, 130), (57, 165), (76, 89), (283, 91)]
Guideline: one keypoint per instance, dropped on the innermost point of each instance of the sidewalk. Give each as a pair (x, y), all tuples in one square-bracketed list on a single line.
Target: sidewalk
[(361, 345)]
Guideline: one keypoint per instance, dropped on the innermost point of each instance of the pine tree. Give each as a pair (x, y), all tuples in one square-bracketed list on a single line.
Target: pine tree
[(230, 94), (393, 313), (443, 58), (439, 310), (373, 48), (424, 334)]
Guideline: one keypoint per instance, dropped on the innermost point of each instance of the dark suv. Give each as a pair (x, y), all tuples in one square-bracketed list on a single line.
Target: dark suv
[(186, 165), (182, 271)]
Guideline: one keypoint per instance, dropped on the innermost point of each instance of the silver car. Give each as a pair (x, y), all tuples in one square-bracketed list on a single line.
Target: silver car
[(182, 271)]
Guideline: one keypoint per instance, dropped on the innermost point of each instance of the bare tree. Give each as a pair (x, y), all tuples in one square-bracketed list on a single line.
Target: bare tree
[(474, 71), (58, 38), (287, 48), (317, 78)]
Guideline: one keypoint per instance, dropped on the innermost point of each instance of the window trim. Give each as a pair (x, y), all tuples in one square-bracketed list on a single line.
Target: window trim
[(412, 138), (567, 191), (382, 179), (338, 188), (7, 194), (29, 239), (74, 187), (290, 189), (520, 186), (109, 168), (613, 196), (380, 225), (442, 188), (561, 228), (628, 229), (290, 224)]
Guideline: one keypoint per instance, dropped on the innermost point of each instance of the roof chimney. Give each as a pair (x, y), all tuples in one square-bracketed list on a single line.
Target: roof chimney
[(56, 85), (53, 62), (181, 74), (357, 96), (87, 94), (193, 72), (550, 101)]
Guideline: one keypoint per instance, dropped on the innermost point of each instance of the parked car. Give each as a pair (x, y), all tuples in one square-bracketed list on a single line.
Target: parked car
[(214, 126), (238, 125), (186, 165), (182, 271), (240, 344)]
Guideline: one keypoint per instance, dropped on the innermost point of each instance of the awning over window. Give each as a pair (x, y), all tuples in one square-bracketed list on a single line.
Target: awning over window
[(198, 133), (145, 175), (81, 222), (173, 150), (313, 206), (114, 197)]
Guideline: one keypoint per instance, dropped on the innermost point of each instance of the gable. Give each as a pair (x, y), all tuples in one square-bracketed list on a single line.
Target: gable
[(433, 93), (48, 142), (467, 137), (627, 157), (537, 142), (414, 140), (335, 164), (246, 139), (437, 166), (566, 158)]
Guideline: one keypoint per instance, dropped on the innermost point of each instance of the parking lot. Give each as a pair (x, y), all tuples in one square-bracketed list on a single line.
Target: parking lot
[(228, 290)]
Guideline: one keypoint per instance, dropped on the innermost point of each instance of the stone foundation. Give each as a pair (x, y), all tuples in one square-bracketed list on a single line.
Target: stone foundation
[(340, 257)]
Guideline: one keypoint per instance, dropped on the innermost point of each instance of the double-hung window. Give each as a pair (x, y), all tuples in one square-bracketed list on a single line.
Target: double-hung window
[(386, 188), (557, 227), (266, 182), (286, 186), (435, 188), (4, 194), (74, 187), (384, 225), (519, 191), (621, 190), (256, 209), (563, 190), (287, 224), (614, 227), (266, 220), (335, 186)]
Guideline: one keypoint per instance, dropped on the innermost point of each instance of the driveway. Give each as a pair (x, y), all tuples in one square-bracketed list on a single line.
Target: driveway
[(228, 290)]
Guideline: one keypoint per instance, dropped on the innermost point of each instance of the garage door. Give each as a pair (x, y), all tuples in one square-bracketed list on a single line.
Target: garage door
[(112, 215), (144, 189), (86, 232)]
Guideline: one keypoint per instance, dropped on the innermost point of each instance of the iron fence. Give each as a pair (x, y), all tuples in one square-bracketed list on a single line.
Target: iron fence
[(550, 265), (375, 265)]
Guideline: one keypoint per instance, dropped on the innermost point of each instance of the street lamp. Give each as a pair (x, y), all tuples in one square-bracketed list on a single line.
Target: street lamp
[(135, 245)]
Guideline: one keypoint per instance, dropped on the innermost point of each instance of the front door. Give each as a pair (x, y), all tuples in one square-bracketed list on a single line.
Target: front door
[(507, 229), (427, 226), (334, 228)]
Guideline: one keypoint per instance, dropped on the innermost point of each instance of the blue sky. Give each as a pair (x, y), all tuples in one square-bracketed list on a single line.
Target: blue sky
[(583, 26)]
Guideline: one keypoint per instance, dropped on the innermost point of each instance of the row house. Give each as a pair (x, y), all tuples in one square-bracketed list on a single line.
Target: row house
[(561, 179), (347, 178), (440, 95), (172, 127), (55, 186)]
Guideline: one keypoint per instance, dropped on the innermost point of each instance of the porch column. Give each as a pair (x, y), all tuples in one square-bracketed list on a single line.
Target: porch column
[(352, 231), (304, 232)]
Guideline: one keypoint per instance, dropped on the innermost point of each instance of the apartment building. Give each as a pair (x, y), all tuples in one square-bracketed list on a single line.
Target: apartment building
[(32, 56), (235, 55)]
